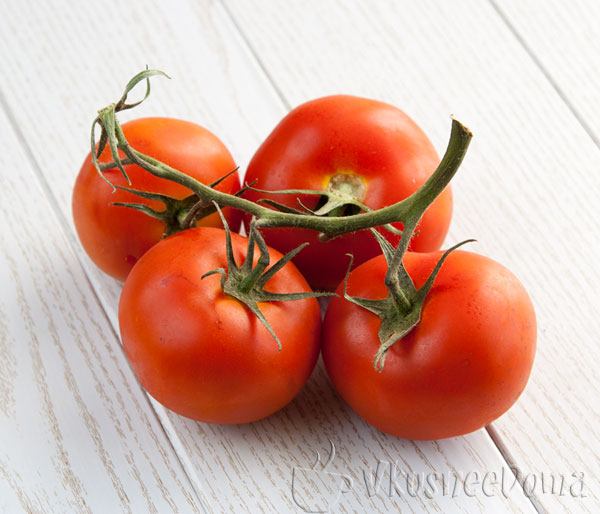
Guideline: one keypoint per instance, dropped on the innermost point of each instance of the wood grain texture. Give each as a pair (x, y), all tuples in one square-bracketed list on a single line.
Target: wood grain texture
[(76, 432), (564, 40), (527, 190)]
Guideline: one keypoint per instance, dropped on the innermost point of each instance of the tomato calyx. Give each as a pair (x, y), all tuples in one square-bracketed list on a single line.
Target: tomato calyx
[(246, 283), (401, 310), (177, 214), (337, 202)]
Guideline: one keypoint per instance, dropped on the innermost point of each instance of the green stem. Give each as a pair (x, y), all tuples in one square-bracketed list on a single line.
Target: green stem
[(248, 283), (111, 165), (405, 211), (395, 279), (460, 138)]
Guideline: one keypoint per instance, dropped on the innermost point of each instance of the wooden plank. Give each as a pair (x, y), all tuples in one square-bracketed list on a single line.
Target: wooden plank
[(76, 433), (564, 40), (249, 467), (527, 191)]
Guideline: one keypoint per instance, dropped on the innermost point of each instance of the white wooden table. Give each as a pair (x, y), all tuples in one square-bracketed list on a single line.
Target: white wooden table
[(77, 432)]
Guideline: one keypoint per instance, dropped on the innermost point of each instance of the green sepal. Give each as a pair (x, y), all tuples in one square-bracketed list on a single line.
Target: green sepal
[(141, 207), (266, 276), (374, 306), (334, 205), (214, 272), (386, 247), (280, 206), (401, 310), (169, 201), (178, 214), (426, 287)]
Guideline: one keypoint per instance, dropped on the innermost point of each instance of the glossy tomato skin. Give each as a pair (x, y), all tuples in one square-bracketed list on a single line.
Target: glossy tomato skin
[(347, 135), (116, 237), (202, 353), (460, 368)]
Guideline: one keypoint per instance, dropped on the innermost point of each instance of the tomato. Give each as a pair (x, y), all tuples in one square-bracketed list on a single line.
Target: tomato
[(204, 354), (370, 147), (462, 366), (116, 237)]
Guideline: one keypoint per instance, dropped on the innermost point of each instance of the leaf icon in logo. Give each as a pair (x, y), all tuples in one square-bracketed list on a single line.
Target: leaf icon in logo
[(316, 490)]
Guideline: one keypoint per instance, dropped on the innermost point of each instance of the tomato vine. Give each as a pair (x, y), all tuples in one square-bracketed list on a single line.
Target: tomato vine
[(399, 312), (407, 211)]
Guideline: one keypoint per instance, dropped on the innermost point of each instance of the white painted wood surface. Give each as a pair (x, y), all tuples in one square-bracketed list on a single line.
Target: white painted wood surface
[(564, 40), (77, 433), (531, 173)]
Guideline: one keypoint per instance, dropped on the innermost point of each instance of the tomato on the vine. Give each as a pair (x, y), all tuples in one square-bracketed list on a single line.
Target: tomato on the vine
[(364, 148), (461, 367), (203, 353), (116, 237)]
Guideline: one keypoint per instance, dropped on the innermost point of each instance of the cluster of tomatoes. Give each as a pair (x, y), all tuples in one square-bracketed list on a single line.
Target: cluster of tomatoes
[(204, 353)]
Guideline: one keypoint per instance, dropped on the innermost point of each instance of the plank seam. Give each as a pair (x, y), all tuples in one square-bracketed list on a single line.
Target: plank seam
[(511, 461), (251, 50), (70, 237), (493, 433), (538, 63)]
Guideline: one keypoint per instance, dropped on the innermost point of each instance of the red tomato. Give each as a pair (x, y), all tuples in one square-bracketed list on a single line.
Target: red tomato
[(116, 237), (462, 366), (204, 354), (367, 143)]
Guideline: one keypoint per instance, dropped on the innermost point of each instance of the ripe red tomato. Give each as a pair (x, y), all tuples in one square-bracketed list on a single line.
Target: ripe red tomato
[(116, 237), (375, 149), (204, 354), (462, 366)]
